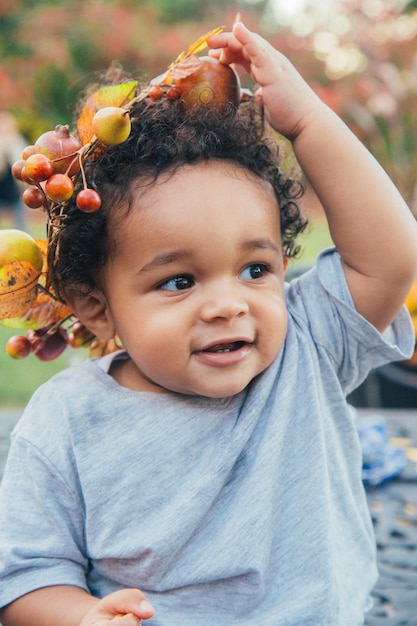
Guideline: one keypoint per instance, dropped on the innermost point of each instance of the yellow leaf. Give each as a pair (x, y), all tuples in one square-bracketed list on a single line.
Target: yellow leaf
[(18, 288), (198, 45), (107, 96), (201, 42)]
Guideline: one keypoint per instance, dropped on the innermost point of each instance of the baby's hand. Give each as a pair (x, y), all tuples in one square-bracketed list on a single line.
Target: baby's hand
[(127, 607), (289, 101)]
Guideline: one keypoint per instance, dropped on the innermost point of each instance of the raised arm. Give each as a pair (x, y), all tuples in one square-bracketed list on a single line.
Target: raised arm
[(370, 224)]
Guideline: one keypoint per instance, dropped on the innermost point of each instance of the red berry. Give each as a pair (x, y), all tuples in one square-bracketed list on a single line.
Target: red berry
[(33, 197), (155, 92), (35, 337), (24, 177), (59, 188), (18, 347), (88, 200), (28, 151), (79, 336), (173, 93), (17, 169), (47, 346), (38, 167)]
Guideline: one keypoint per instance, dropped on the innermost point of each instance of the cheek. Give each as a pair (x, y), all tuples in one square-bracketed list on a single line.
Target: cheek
[(151, 330), (274, 319), (159, 348)]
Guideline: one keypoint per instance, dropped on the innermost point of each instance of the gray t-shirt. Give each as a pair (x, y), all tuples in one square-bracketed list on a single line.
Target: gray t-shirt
[(247, 510)]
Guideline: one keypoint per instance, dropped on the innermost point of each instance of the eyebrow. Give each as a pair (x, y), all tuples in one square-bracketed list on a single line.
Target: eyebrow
[(263, 244), (162, 260), (166, 259)]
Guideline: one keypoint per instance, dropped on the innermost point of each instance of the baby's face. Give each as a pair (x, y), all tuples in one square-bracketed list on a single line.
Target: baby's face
[(196, 287)]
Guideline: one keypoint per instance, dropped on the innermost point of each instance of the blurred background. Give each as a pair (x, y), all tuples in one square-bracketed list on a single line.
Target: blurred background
[(359, 55)]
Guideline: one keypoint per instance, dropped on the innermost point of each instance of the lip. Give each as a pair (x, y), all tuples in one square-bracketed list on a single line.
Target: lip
[(225, 352)]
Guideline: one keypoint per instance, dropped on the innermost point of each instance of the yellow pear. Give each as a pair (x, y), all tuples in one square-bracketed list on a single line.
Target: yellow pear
[(111, 125), (16, 245)]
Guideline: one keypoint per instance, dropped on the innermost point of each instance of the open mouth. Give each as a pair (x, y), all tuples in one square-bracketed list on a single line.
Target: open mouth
[(225, 353), (226, 347)]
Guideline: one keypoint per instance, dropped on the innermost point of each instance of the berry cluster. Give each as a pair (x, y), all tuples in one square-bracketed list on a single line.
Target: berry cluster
[(50, 165), (49, 342)]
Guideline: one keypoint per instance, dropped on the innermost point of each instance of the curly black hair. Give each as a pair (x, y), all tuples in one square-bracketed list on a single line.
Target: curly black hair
[(163, 138)]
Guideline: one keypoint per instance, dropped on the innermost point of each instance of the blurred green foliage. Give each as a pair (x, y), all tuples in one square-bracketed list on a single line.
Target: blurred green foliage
[(51, 49)]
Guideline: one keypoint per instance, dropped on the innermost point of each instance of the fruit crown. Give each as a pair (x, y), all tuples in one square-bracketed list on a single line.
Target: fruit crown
[(54, 170), (56, 160)]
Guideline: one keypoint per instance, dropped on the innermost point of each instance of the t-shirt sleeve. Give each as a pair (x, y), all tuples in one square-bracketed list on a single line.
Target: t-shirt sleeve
[(41, 530), (321, 305)]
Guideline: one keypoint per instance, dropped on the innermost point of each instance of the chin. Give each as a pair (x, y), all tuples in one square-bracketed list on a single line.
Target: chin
[(220, 391)]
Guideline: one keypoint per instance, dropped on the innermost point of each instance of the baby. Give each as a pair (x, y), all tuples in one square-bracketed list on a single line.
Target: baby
[(210, 472)]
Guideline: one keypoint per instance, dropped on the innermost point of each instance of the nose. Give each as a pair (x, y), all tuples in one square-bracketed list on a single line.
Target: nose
[(223, 301)]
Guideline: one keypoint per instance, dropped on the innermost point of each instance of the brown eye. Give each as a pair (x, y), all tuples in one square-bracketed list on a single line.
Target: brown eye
[(254, 271), (177, 283)]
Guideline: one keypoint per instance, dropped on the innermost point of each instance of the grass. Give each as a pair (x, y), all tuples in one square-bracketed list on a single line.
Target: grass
[(19, 379), (315, 238)]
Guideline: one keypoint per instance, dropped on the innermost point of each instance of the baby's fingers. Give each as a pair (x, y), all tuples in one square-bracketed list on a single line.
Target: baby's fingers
[(248, 49), (263, 58), (127, 601), (228, 50), (127, 607), (126, 619), (229, 56)]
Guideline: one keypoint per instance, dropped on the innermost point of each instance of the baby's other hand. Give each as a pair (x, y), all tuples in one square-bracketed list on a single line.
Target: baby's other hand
[(127, 607), (289, 101)]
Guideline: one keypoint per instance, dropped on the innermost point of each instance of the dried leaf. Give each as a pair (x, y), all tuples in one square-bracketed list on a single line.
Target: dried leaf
[(18, 288), (45, 311), (185, 68), (101, 347), (107, 96)]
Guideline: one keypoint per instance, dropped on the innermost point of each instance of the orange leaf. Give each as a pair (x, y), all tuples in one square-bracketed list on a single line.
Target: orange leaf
[(45, 311), (18, 288), (107, 96)]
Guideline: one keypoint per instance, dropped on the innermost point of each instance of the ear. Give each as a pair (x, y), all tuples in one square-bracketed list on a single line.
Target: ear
[(92, 310), (285, 261)]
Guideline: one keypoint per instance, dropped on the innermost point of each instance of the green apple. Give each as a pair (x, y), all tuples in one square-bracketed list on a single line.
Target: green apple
[(16, 245)]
